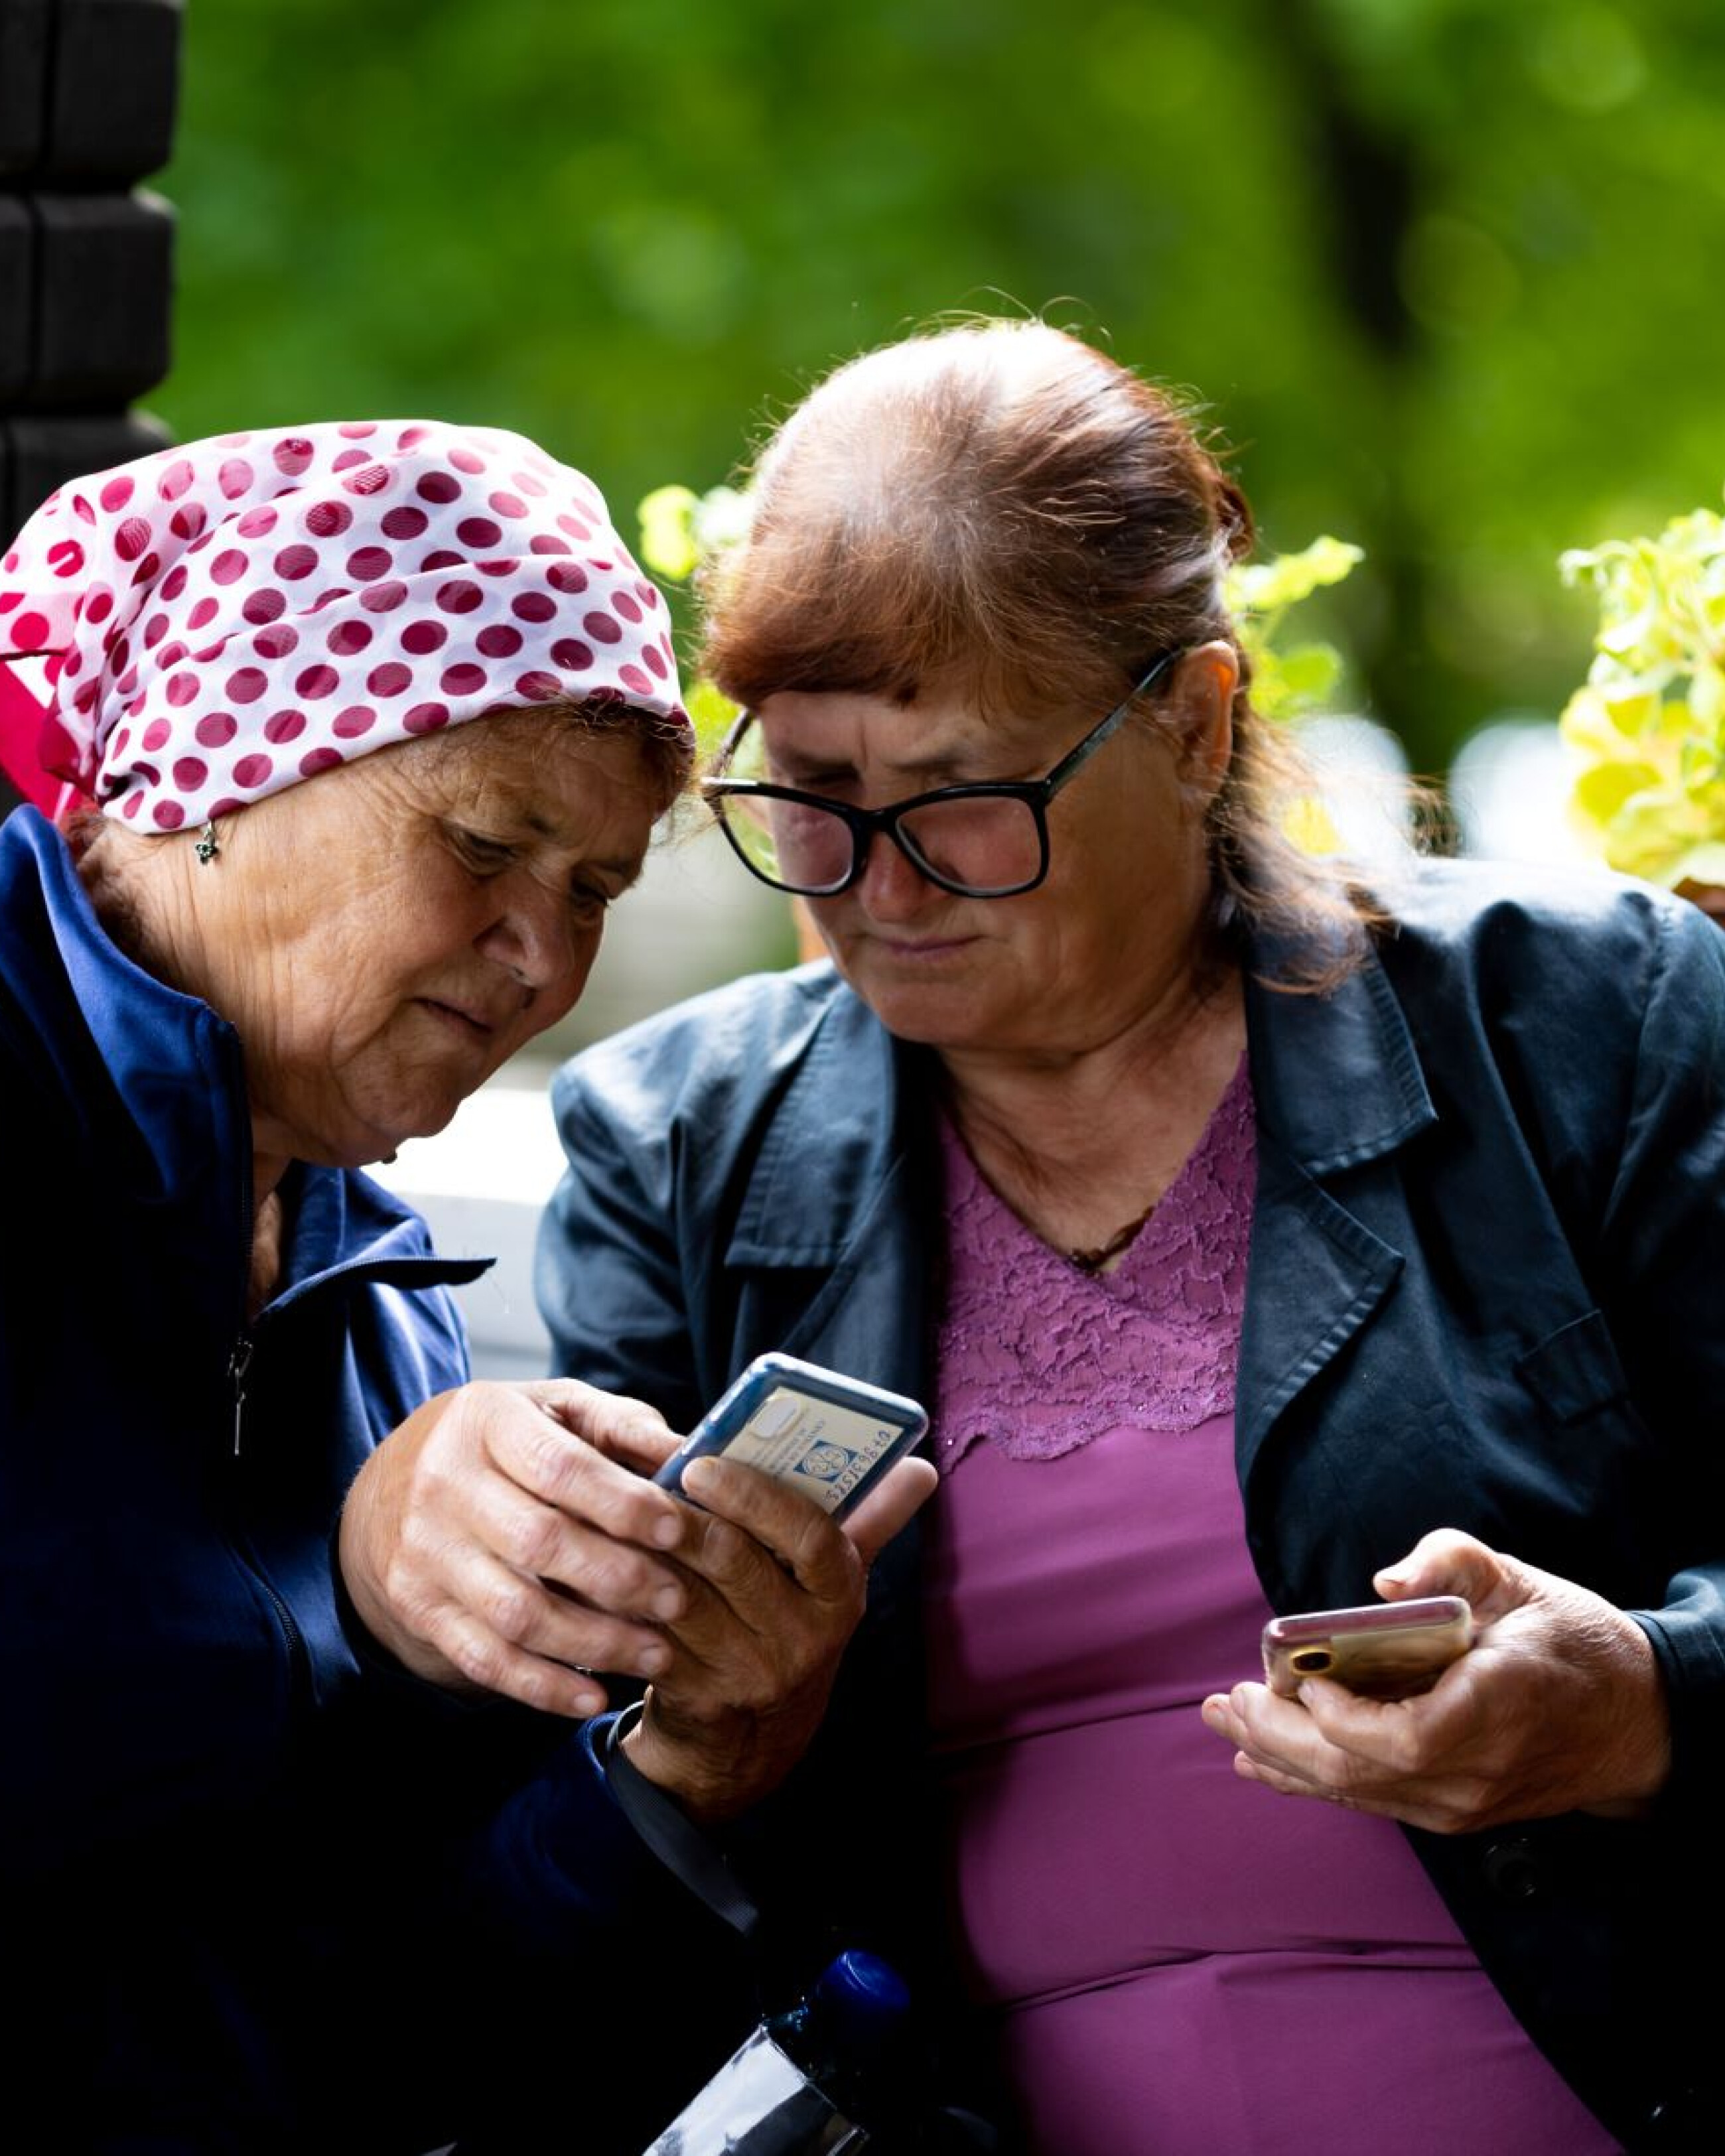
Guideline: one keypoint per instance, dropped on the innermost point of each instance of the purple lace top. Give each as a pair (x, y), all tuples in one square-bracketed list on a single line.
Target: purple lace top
[(1174, 1962), (1040, 1357)]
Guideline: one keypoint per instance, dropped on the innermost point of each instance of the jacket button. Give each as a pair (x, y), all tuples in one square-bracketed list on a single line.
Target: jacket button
[(1513, 1870)]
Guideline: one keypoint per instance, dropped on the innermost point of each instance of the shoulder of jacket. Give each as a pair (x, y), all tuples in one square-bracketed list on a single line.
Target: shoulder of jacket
[(1495, 915), (726, 1039), (1571, 970)]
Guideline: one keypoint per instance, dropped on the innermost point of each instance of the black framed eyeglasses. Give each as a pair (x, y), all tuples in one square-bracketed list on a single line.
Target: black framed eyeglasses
[(987, 840)]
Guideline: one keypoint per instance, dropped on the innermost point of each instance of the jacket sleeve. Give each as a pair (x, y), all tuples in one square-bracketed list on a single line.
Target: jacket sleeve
[(1664, 1232)]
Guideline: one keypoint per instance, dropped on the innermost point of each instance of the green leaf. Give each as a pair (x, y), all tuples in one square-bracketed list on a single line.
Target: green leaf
[(1651, 720), (1702, 864), (1602, 793), (713, 714), (1698, 766), (1311, 670), (1286, 683), (1307, 824), (1260, 587), (668, 543)]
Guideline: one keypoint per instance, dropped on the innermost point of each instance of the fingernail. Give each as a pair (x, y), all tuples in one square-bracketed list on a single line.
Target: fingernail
[(588, 1703), (698, 1477), (667, 1532), (652, 1660), (668, 1603)]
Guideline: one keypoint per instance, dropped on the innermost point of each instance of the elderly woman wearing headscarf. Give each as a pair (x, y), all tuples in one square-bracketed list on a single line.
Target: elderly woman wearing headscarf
[(239, 1830)]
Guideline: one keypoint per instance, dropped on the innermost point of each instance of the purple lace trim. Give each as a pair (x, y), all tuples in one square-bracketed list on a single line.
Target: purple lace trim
[(1040, 1357)]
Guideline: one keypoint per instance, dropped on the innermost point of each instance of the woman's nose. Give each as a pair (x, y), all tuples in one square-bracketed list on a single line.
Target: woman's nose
[(536, 940), (892, 887)]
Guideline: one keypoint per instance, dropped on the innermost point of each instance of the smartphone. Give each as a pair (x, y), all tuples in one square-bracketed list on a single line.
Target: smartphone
[(1386, 1650), (829, 1436)]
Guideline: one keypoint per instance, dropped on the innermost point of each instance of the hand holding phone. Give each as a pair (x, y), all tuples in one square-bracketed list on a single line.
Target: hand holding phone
[(826, 1436), (775, 1592), (1383, 1650)]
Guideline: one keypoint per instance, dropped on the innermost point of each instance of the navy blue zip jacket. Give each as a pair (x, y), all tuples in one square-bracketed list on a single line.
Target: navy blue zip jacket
[(260, 1893), (1486, 1290)]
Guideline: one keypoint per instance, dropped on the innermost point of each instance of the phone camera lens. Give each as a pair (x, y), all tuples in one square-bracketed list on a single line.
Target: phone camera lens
[(1311, 1661)]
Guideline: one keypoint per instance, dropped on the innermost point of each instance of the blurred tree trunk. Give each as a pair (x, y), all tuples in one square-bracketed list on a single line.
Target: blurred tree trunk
[(1367, 172)]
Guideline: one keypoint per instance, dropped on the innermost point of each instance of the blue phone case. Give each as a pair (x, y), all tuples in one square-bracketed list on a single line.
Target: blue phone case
[(829, 1436)]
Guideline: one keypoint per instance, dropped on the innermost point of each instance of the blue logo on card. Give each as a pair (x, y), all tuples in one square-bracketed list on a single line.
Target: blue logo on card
[(825, 1463)]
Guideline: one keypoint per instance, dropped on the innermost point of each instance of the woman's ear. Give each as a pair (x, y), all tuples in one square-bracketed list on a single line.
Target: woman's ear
[(1201, 709)]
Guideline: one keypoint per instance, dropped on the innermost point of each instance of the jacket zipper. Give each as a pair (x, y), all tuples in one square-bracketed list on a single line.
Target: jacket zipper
[(299, 1660), (239, 1362)]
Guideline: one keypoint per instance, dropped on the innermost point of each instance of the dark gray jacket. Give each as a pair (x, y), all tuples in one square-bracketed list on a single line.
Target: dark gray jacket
[(1485, 1291)]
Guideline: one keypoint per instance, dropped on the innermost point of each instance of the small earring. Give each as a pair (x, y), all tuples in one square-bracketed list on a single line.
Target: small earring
[(208, 845)]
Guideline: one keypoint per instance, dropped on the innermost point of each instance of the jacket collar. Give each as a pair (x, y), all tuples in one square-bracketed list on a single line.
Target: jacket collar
[(158, 1081), (1336, 1080), (1336, 1077), (838, 1071), (1336, 1083), (154, 1076), (344, 1224)]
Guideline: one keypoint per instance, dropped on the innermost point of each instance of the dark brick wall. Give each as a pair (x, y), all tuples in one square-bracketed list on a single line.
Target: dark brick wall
[(87, 96)]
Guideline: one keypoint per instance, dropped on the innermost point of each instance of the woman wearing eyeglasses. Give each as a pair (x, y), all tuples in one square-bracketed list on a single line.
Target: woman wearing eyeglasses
[(1261, 1242)]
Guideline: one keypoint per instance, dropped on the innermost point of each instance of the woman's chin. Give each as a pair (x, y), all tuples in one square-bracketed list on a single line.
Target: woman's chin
[(930, 1015), (412, 1122), (929, 993), (369, 1134)]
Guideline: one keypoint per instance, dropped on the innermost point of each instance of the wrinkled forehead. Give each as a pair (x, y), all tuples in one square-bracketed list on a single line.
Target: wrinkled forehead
[(949, 727), (533, 759)]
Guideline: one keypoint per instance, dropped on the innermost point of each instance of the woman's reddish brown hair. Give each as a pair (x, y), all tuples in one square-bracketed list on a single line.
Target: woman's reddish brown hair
[(1002, 511)]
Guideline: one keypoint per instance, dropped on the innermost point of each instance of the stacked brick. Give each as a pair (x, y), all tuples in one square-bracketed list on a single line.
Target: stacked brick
[(87, 90)]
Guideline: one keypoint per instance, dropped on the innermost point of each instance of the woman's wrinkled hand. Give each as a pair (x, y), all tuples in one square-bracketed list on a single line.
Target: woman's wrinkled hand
[(1558, 1707), (505, 1537), (775, 1590)]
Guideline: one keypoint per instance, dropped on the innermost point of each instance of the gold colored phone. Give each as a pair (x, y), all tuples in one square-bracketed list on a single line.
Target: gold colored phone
[(1385, 1650)]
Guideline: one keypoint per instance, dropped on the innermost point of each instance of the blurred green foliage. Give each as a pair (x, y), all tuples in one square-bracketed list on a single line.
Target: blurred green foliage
[(1650, 722), (1288, 680), (1441, 269)]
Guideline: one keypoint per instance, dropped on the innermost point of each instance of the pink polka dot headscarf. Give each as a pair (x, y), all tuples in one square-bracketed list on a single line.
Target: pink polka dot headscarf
[(223, 620)]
